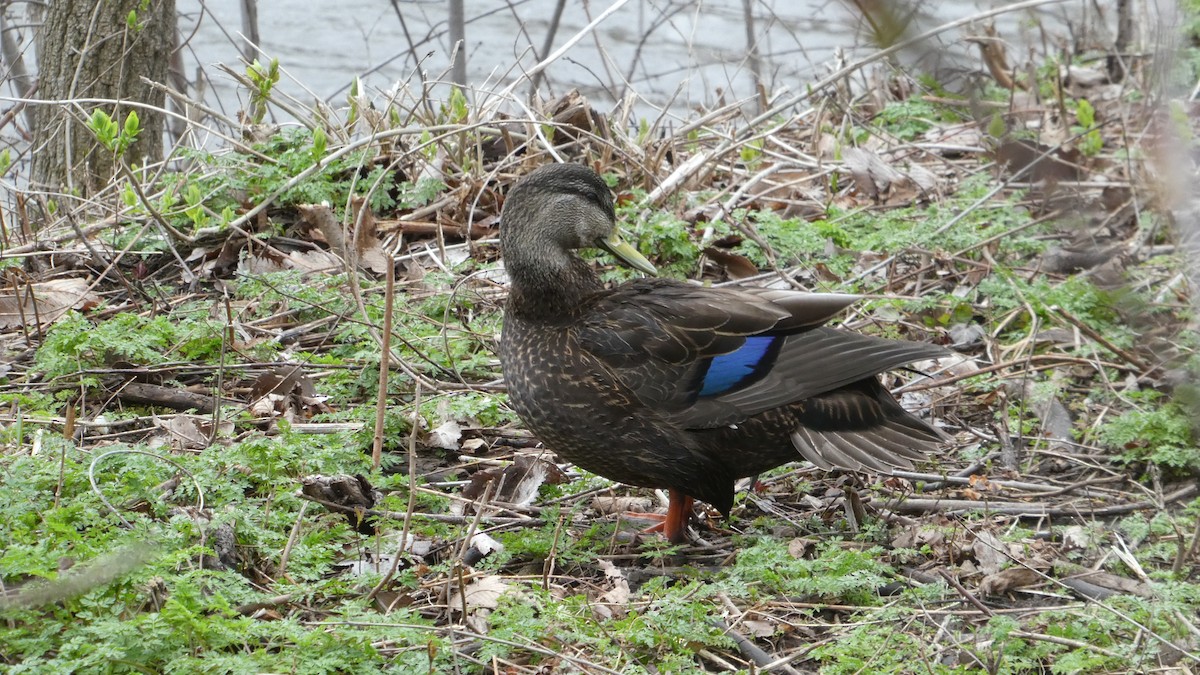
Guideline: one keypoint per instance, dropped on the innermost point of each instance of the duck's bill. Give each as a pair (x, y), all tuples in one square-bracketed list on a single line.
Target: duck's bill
[(626, 253)]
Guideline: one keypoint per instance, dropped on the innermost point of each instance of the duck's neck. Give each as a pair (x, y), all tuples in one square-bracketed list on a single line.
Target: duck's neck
[(550, 288)]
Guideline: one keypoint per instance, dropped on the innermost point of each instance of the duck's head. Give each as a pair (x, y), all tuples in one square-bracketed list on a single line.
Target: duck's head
[(559, 207)]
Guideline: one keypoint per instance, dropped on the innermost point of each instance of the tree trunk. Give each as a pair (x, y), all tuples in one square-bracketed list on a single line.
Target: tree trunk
[(86, 49)]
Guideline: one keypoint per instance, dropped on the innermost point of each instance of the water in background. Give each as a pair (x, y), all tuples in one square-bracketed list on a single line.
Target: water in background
[(676, 55)]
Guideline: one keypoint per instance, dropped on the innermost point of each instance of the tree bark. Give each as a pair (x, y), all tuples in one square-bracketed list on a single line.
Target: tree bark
[(86, 49)]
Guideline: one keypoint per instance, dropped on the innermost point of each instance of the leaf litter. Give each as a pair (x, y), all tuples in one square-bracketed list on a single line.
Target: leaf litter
[(1067, 302)]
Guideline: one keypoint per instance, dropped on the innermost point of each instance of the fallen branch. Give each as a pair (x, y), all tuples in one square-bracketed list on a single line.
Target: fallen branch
[(1032, 510)]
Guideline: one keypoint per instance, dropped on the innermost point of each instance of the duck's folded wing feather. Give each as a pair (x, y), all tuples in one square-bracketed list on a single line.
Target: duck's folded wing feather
[(861, 426), (707, 357), (813, 362)]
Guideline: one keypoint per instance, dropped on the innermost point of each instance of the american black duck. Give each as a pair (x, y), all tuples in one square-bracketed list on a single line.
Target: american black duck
[(665, 384)]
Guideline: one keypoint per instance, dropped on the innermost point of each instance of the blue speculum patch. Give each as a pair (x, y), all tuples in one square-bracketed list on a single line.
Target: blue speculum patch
[(727, 371)]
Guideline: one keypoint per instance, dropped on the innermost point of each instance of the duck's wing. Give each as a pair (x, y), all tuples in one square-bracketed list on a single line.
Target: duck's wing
[(705, 357), (861, 426)]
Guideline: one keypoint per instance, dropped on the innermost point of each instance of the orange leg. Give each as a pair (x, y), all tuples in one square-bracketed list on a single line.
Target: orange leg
[(674, 524), (679, 510)]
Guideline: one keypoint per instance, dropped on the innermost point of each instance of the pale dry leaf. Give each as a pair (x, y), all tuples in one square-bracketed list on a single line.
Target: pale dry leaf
[(989, 552), (264, 406), (1111, 582), (187, 432), (364, 566), (1077, 536), (375, 259), (872, 175), (925, 180), (616, 598), (478, 621), (310, 261), (737, 266), (368, 248), (43, 302), (313, 260), (523, 479), (473, 445), (445, 435), (613, 602), (610, 570), (483, 592), (608, 505), (759, 629)]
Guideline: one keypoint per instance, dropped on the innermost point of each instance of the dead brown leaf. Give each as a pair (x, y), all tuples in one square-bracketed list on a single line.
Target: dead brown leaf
[(367, 251), (1010, 579), (519, 481), (187, 432), (737, 266), (885, 184), (353, 492), (43, 303)]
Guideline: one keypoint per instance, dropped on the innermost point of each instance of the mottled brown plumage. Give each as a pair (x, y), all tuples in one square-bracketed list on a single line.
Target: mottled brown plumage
[(666, 384)]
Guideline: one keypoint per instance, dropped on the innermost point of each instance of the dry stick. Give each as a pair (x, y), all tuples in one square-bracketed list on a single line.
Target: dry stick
[(381, 393), (749, 649), (297, 112), (1186, 552), (692, 165), (548, 565), (32, 297), (752, 54), (1084, 484), (293, 537), (91, 473), (531, 645), (551, 33), (963, 480), (249, 28), (1132, 359), (964, 592), (571, 42), (350, 262), (396, 515), (81, 579), (458, 40), (228, 341), (1032, 510), (978, 245), (62, 455), (157, 218), (1054, 360), (1077, 644), (17, 73), (186, 101), (412, 464), (252, 608), (462, 550), (412, 495)]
